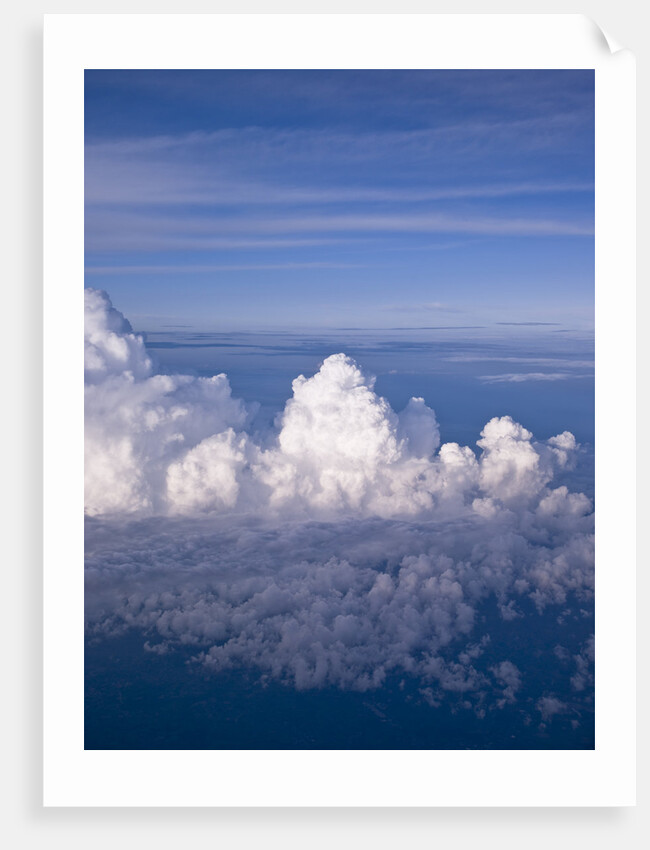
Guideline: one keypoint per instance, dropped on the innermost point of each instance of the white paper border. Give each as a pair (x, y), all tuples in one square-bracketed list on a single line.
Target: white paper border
[(74, 777)]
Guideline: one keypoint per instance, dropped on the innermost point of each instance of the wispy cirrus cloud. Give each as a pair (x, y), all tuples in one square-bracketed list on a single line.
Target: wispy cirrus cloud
[(444, 171), (378, 174), (207, 269), (565, 363), (424, 223), (427, 306), (145, 232), (520, 377), (143, 184), (251, 166)]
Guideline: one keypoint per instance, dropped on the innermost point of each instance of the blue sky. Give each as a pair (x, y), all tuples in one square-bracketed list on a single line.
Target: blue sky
[(299, 199)]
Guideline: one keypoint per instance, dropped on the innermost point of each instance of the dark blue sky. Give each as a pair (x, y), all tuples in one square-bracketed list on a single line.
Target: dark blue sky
[(327, 198)]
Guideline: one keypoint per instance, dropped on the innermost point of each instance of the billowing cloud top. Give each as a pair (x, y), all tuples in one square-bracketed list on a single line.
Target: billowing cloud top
[(110, 346), (138, 423)]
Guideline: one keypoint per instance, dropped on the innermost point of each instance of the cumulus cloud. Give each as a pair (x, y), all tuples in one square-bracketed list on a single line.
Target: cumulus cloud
[(340, 447), (174, 443), (138, 424), (345, 547), (110, 346), (509, 677), (584, 661), (549, 706)]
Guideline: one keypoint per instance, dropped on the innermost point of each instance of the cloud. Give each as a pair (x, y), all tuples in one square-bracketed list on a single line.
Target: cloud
[(545, 361), (270, 184), (149, 182), (341, 447), (584, 663), (549, 706), (110, 346), (245, 165), (414, 223), (343, 547), (170, 443), (436, 306), (136, 422), (346, 603), (209, 269), (509, 677), (520, 377), (511, 468), (143, 232)]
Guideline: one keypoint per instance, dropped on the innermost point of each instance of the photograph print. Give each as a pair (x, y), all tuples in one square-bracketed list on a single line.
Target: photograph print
[(339, 410)]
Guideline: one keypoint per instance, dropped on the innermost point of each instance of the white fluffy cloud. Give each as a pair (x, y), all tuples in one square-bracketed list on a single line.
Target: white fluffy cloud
[(110, 346), (137, 423), (174, 443), (348, 547)]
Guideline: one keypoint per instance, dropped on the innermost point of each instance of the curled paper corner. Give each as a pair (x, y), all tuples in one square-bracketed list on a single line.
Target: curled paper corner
[(605, 40)]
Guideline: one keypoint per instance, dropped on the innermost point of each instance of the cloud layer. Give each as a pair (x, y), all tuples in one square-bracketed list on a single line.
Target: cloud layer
[(353, 603), (345, 547)]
